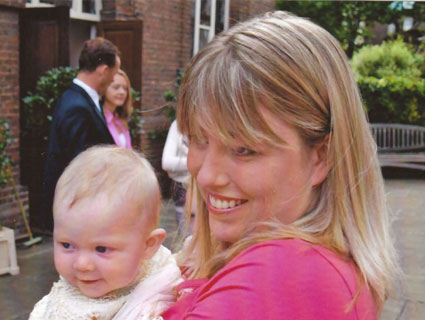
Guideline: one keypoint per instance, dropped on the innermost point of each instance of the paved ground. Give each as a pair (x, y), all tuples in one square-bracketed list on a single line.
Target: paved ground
[(407, 201)]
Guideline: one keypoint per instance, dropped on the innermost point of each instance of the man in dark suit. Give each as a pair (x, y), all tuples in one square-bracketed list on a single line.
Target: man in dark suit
[(78, 121)]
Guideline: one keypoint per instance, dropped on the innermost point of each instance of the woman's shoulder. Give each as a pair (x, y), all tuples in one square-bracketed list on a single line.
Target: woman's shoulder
[(293, 248), (298, 257), (295, 266)]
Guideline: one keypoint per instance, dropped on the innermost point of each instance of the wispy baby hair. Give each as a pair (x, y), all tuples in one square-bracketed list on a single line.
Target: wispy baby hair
[(119, 174)]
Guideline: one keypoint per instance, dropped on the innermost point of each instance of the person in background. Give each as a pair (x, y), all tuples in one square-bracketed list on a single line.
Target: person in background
[(174, 162), (117, 107), (78, 122), (107, 244), (291, 221)]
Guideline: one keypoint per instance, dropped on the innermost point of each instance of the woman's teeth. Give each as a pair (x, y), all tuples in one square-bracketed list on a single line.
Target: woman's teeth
[(224, 204)]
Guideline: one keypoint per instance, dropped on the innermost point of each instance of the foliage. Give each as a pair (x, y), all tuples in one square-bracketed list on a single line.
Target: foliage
[(352, 22), (5, 140), (391, 79), (391, 58), (135, 121), (170, 107), (171, 98), (38, 106)]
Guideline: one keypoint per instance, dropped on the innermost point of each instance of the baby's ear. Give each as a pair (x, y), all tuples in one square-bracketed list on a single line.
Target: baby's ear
[(153, 242)]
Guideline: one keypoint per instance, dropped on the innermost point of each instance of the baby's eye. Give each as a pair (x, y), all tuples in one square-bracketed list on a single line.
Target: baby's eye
[(101, 249), (242, 151), (66, 245)]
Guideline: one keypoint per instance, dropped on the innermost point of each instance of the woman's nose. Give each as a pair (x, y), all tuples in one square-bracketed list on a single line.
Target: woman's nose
[(210, 168), (83, 262)]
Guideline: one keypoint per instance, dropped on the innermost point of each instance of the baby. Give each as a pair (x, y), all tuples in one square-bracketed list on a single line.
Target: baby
[(107, 247)]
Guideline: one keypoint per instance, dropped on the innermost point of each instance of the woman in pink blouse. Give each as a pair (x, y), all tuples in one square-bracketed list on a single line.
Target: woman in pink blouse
[(291, 221), (117, 109)]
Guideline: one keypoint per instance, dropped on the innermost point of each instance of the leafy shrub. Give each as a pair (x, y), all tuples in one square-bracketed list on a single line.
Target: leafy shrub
[(394, 58), (38, 106), (391, 79)]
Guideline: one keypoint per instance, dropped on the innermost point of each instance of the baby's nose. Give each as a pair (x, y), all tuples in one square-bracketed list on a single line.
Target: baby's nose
[(84, 263)]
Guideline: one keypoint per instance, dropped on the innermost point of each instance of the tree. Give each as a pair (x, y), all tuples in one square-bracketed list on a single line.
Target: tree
[(352, 22)]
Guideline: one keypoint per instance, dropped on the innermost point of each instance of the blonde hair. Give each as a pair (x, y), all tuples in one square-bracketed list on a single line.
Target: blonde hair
[(120, 174), (298, 72)]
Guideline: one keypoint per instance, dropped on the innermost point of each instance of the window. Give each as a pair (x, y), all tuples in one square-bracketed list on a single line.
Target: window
[(88, 10), (211, 17)]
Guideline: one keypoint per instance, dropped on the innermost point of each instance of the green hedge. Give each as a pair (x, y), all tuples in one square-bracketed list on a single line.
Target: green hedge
[(391, 79)]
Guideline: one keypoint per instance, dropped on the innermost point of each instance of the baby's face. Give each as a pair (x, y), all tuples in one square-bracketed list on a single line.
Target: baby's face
[(98, 249)]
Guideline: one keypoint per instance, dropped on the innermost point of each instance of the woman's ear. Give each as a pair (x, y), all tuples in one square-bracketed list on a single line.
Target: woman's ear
[(153, 241), (322, 161)]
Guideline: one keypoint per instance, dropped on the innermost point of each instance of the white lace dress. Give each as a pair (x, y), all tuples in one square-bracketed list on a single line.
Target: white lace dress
[(145, 300)]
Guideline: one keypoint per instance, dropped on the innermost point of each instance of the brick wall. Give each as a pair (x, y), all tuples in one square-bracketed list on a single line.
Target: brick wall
[(9, 110), (241, 10)]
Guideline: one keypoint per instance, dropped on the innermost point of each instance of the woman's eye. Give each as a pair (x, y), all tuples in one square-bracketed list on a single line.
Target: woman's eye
[(101, 249), (66, 245), (198, 141), (242, 151)]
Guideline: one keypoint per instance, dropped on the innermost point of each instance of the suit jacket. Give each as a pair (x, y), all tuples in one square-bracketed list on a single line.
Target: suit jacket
[(77, 125)]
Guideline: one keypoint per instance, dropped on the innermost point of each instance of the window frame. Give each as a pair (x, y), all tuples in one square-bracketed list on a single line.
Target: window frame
[(210, 28)]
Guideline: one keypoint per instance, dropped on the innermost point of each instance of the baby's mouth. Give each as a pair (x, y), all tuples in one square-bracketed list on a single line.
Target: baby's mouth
[(225, 203), (88, 281)]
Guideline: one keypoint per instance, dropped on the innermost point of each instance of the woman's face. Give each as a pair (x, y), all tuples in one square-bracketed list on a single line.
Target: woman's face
[(241, 186), (116, 93)]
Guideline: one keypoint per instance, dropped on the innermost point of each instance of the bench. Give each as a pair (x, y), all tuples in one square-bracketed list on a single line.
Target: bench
[(400, 145)]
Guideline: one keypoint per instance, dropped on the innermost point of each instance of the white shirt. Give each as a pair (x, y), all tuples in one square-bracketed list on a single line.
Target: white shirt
[(174, 155), (90, 91)]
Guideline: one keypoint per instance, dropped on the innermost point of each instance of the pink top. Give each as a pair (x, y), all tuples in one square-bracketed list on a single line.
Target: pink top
[(278, 279), (112, 121)]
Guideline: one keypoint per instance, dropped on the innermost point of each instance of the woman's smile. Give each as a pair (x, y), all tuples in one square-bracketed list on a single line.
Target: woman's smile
[(224, 203)]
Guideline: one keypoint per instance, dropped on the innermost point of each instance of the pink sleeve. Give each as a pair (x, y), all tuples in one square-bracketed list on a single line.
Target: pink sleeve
[(284, 279)]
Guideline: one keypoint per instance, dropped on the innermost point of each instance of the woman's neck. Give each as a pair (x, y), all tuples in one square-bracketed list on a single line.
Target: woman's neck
[(108, 106)]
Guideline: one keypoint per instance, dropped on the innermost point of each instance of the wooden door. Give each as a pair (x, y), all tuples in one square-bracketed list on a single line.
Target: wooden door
[(44, 44), (127, 36)]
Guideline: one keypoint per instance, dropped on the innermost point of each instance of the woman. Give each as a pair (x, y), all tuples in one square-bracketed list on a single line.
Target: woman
[(117, 109), (291, 221)]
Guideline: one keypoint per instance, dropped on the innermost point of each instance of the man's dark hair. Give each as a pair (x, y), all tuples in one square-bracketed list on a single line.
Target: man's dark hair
[(96, 52)]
